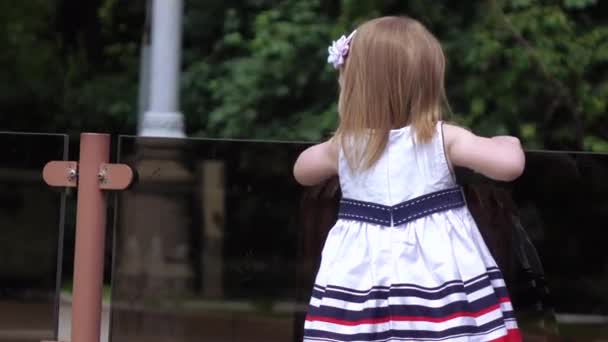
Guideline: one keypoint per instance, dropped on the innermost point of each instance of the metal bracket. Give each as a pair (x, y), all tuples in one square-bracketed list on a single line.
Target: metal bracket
[(115, 176), (61, 173), (65, 174)]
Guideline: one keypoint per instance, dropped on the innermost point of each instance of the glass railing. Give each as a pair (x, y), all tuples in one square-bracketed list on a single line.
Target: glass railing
[(207, 242), (31, 235), (545, 231), (216, 241)]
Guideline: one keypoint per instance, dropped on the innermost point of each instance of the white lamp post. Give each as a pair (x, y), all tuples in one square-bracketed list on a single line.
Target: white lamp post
[(162, 118)]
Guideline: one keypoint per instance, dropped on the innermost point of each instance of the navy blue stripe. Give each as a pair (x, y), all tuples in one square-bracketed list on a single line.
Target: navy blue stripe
[(492, 274), (495, 275), (317, 294), (387, 288), (411, 334), (508, 314), (353, 298), (478, 285), (501, 292), (401, 292), (397, 292), (462, 306)]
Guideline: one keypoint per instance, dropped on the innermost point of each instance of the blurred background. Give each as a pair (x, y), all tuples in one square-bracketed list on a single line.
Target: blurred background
[(187, 247), (257, 68)]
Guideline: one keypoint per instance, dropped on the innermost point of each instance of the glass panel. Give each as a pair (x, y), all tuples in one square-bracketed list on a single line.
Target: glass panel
[(31, 235), (545, 231), (216, 242), (206, 243)]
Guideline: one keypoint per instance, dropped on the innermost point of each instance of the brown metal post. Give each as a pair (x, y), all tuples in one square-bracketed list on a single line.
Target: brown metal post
[(92, 175), (90, 239)]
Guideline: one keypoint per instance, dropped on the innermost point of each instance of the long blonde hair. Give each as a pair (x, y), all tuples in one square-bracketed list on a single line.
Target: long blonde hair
[(393, 77)]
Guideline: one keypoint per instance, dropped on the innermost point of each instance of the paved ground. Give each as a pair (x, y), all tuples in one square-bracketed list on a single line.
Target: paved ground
[(65, 314)]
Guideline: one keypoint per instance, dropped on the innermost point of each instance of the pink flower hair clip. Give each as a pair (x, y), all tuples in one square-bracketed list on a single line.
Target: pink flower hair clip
[(338, 50)]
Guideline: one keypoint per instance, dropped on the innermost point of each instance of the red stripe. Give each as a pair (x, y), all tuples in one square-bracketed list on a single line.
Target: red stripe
[(512, 335), (504, 300), (408, 318)]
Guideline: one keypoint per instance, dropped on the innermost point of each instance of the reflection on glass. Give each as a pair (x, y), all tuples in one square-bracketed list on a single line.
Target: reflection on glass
[(545, 232), (31, 231), (206, 242), (216, 242)]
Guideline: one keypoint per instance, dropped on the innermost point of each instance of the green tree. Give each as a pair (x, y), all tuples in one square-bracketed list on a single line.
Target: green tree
[(273, 84), (257, 68), (70, 65), (536, 69)]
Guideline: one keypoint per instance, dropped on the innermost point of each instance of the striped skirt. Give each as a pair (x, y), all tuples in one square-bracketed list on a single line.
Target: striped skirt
[(432, 279)]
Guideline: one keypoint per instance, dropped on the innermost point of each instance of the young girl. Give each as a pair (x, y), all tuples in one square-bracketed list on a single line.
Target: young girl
[(405, 260)]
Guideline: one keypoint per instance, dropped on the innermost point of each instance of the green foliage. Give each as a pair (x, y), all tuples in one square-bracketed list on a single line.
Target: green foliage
[(53, 79), (257, 68), (578, 4), (273, 84)]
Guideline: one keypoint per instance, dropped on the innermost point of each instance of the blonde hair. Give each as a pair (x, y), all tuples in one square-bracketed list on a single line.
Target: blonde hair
[(393, 77)]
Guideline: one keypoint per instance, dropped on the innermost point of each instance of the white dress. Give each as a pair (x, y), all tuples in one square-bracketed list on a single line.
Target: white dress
[(429, 279)]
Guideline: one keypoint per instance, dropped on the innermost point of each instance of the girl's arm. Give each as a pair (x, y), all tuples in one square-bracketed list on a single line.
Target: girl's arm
[(500, 158), (317, 163)]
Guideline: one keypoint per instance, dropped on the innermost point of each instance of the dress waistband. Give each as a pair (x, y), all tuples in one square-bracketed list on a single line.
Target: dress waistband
[(404, 212)]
